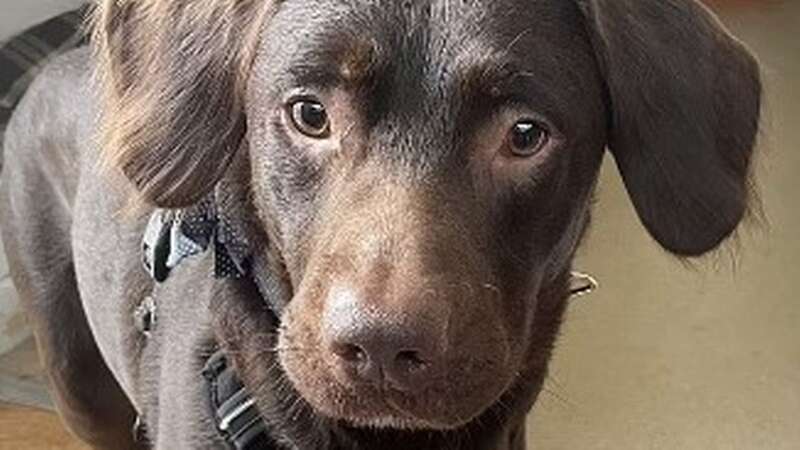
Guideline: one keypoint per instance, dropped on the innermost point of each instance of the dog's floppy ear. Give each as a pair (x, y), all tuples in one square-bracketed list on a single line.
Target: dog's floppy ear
[(685, 100), (172, 74)]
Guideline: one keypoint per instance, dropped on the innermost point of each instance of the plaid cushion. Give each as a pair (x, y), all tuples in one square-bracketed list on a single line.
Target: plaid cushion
[(24, 55)]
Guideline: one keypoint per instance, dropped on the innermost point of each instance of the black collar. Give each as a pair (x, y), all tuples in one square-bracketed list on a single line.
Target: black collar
[(234, 411)]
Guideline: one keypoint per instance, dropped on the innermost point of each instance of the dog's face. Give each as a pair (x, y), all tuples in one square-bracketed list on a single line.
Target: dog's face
[(424, 170), (427, 172)]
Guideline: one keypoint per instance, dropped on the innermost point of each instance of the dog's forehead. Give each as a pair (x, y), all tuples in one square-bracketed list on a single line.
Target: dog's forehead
[(431, 36)]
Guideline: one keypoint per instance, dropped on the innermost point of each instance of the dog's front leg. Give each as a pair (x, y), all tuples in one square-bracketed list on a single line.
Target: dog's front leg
[(37, 188)]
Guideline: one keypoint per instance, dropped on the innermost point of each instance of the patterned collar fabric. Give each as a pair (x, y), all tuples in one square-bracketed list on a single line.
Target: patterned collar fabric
[(172, 236)]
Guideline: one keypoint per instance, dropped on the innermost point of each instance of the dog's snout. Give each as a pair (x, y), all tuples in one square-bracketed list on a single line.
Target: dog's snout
[(368, 343)]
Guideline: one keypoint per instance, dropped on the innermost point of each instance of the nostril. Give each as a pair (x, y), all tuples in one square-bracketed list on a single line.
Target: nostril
[(410, 360), (351, 353)]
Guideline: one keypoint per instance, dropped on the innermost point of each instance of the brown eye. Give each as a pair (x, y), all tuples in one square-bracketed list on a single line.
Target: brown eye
[(527, 137), (310, 118)]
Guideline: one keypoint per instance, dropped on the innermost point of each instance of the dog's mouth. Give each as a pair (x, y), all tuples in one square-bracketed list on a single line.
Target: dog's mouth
[(444, 407), (388, 412)]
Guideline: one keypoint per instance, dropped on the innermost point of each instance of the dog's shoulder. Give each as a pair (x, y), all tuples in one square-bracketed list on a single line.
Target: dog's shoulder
[(61, 88), (57, 108), (69, 69)]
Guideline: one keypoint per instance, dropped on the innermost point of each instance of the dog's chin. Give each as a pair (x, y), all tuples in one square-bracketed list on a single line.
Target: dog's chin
[(386, 412), (388, 418), (390, 422)]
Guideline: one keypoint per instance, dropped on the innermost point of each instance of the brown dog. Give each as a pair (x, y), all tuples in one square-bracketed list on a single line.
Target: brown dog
[(408, 182)]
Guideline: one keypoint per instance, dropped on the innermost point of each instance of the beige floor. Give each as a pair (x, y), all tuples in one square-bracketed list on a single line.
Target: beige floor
[(31, 429), (664, 356), (704, 357)]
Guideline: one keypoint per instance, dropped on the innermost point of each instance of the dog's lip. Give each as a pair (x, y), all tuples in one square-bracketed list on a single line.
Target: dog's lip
[(387, 412), (395, 417), (386, 387)]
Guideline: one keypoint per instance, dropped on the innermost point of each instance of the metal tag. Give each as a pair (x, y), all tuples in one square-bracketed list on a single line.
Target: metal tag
[(144, 316)]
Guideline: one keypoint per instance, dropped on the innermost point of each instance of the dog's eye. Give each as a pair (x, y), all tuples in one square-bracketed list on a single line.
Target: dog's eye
[(527, 137), (310, 118)]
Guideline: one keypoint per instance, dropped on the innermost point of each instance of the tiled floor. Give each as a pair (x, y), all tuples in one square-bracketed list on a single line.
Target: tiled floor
[(664, 356)]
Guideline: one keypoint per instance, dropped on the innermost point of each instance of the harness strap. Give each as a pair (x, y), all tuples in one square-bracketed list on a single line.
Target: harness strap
[(174, 235), (234, 410)]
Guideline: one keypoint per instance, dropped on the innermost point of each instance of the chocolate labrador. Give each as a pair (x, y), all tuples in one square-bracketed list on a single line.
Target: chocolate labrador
[(365, 210)]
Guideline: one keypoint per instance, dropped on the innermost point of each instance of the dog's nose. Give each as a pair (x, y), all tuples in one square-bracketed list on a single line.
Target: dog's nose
[(379, 355), (370, 345)]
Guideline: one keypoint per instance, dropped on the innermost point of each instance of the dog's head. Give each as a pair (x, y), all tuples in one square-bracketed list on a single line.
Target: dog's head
[(425, 169)]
